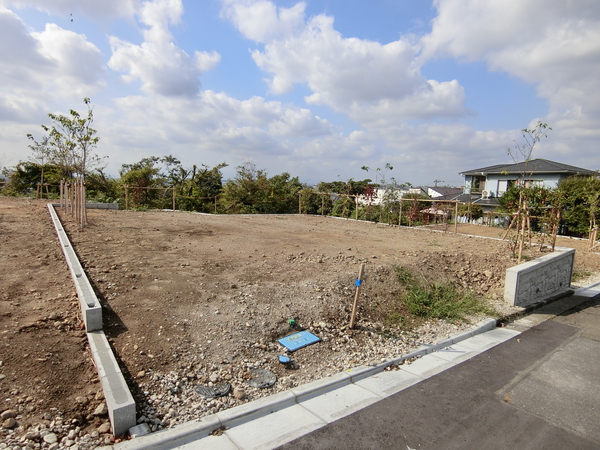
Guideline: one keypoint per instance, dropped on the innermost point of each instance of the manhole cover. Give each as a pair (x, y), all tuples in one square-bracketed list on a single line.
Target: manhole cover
[(262, 378), (218, 390)]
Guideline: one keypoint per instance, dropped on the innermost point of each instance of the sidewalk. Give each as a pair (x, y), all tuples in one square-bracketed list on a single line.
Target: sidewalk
[(531, 385)]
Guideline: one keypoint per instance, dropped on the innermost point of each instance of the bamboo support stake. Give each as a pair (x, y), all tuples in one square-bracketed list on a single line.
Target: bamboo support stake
[(510, 225), (456, 217), (358, 285), (400, 214), (73, 188), (300, 203), (173, 199), (126, 199), (215, 204)]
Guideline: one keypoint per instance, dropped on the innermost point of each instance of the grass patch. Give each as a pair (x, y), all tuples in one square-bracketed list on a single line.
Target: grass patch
[(579, 274), (444, 300)]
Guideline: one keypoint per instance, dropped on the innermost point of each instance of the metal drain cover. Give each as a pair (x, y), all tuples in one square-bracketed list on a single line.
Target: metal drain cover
[(218, 390)]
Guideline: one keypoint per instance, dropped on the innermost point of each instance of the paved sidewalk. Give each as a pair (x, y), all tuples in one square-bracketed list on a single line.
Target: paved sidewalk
[(531, 385)]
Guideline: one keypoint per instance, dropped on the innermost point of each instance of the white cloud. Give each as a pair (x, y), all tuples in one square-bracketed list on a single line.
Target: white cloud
[(40, 66), (349, 75), (161, 66), (262, 21), (554, 45)]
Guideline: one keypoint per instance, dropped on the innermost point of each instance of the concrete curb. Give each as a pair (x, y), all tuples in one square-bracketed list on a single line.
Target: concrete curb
[(91, 310), (119, 401)]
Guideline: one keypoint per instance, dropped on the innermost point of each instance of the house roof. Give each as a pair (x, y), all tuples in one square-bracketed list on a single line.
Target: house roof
[(446, 190), (533, 166)]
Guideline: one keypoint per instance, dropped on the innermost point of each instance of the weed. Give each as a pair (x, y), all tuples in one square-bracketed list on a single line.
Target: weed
[(579, 274), (438, 299)]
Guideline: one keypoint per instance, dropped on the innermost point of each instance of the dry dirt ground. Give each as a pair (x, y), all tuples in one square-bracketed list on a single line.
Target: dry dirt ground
[(192, 299)]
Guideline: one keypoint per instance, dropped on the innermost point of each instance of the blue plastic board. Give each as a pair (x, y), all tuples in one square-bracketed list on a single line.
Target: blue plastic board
[(298, 340)]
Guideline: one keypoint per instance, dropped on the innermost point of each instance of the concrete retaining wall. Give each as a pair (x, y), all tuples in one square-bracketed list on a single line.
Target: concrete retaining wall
[(541, 279)]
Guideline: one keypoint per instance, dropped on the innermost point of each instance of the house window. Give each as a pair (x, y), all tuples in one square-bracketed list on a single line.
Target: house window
[(504, 185), (477, 183)]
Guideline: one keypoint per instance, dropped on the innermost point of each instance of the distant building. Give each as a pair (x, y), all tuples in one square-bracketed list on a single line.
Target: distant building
[(494, 181)]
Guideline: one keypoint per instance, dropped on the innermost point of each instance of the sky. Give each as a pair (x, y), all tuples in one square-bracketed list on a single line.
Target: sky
[(317, 89)]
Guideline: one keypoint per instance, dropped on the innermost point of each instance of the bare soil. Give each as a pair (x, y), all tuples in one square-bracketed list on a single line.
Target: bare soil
[(205, 297)]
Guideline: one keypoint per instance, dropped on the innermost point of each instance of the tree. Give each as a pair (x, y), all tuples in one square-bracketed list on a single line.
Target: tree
[(524, 151), (69, 143), (252, 192), (579, 199)]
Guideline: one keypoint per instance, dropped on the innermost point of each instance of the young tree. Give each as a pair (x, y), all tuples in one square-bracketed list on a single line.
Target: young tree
[(69, 143), (521, 154)]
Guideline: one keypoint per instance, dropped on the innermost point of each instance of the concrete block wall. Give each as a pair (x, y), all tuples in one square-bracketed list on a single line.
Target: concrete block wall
[(114, 206), (119, 401), (91, 311), (538, 280)]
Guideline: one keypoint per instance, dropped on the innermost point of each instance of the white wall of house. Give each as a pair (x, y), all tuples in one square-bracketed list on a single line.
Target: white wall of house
[(497, 184)]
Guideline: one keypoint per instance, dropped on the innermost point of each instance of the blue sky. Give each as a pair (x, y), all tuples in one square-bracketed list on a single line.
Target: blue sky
[(317, 89)]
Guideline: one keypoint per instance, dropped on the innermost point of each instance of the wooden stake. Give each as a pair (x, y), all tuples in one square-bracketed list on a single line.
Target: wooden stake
[(358, 285), (126, 200), (400, 214), (456, 217)]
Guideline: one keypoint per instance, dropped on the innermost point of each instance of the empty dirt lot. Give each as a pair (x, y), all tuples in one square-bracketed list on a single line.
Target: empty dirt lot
[(192, 300)]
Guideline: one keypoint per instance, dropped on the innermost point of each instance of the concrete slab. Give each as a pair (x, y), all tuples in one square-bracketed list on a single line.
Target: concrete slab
[(427, 366), (456, 353), (340, 402), (210, 443), (388, 383), (258, 408), (316, 387), (489, 339), (274, 429)]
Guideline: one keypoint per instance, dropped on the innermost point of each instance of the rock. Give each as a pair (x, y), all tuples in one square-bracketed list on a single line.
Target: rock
[(82, 400), (141, 374), (99, 395), (101, 409), (239, 393), (9, 423), (50, 438), (104, 428), (8, 414)]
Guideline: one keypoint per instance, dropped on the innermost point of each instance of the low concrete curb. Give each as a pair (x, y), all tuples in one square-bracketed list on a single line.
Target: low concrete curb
[(119, 401), (91, 311)]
